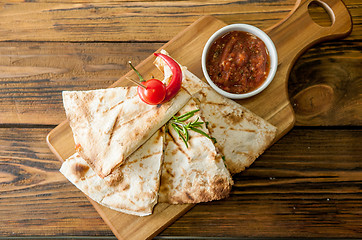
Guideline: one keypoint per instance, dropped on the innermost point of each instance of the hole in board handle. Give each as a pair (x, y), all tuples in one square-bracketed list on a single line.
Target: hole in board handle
[(321, 13)]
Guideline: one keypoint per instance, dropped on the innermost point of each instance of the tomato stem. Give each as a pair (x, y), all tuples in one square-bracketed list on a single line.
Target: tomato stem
[(138, 83), (139, 75)]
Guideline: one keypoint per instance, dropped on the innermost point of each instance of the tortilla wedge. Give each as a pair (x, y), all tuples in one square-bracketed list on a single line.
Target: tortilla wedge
[(110, 124), (192, 174), (131, 188), (241, 135)]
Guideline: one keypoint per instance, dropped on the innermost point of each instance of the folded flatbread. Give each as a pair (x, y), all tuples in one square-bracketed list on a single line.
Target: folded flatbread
[(195, 173), (110, 124), (131, 188), (241, 135)]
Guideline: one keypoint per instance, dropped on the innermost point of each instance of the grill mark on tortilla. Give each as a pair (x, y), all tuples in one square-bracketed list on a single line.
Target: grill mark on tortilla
[(135, 117), (234, 118), (244, 153), (127, 93), (179, 147), (249, 130), (202, 93), (170, 173), (241, 130), (114, 106), (91, 163), (121, 102), (80, 170), (215, 104), (189, 196), (112, 130), (144, 157), (126, 187)]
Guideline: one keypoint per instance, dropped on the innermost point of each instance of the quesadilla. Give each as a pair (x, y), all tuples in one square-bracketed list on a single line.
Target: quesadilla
[(241, 135), (195, 173), (110, 124), (131, 188)]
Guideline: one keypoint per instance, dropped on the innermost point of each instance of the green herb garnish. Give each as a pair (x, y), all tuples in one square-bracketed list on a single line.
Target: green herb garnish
[(178, 123)]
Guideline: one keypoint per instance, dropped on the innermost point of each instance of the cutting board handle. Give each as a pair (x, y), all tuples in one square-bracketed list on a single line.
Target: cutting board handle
[(298, 31)]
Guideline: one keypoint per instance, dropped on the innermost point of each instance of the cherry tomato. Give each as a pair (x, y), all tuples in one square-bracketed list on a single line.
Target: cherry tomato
[(153, 93)]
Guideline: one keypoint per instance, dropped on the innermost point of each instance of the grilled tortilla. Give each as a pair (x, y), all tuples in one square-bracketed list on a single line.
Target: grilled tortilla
[(194, 174), (241, 135), (110, 124), (131, 188)]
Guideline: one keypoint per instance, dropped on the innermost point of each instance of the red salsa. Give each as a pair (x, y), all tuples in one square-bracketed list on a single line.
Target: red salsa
[(238, 62)]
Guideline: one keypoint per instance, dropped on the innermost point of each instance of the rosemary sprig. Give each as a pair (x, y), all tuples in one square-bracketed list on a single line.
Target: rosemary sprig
[(182, 128)]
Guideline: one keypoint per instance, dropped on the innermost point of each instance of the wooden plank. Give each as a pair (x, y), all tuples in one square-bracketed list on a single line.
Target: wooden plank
[(325, 88), (126, 20), (33, 75), (306, 185), (134, 20), (35, 198)]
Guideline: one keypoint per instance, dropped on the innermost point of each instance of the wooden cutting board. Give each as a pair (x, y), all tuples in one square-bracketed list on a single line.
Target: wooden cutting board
[(292, 36)]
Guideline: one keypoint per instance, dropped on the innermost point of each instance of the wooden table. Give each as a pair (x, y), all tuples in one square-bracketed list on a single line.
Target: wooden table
[(306, 185)]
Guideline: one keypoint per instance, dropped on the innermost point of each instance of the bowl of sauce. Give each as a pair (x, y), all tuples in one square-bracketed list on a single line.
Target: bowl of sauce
[(239, 61)]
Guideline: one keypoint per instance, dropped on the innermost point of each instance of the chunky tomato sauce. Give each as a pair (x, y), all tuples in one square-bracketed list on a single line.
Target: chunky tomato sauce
[(238, 62)]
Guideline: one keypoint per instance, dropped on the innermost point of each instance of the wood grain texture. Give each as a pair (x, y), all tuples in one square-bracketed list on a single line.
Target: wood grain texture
[(125, 20), (35, 198), (33, 75), (133, 20), (306, 185), (298, 188), (325, 88)]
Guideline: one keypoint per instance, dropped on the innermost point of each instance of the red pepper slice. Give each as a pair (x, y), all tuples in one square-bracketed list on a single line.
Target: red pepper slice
[(176, 80)]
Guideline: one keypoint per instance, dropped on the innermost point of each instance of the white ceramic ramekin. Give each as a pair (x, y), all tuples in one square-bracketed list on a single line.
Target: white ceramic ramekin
[(262, 36)]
